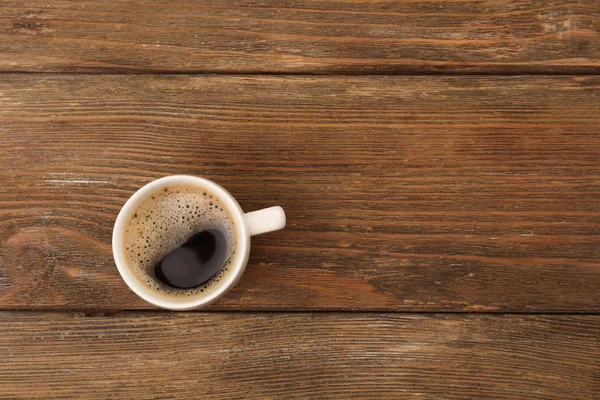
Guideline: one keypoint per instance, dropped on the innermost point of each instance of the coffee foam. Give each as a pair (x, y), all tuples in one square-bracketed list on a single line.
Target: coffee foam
[(164, 221)]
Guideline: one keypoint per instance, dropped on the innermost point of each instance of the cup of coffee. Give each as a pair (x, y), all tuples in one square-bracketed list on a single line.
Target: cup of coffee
[(181, 242)]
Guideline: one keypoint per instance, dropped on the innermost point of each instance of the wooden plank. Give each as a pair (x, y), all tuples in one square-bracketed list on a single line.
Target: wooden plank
[(322, 355), (402, 193), (301, 36)]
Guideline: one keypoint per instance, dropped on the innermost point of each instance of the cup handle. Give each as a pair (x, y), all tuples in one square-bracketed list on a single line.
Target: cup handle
[(265, 220)]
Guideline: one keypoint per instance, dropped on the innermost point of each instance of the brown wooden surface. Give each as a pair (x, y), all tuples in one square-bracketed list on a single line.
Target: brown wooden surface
[(416, 193), (302, 36), (402, 193), (323, 355)]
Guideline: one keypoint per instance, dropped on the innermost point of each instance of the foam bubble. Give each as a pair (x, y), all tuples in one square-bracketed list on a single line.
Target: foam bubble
[(164, 221)]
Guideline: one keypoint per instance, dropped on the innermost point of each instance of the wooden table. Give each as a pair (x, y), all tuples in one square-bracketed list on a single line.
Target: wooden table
[(439, 162)]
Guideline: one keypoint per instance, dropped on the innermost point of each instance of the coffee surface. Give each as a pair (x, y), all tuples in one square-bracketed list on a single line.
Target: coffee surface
[(194, 262), (180, 240)]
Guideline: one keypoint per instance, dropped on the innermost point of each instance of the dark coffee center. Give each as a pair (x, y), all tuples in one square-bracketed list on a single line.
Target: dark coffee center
[(195, 262)]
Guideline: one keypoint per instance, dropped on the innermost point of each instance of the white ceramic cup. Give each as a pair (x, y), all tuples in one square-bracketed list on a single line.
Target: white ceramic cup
[(246, 224)]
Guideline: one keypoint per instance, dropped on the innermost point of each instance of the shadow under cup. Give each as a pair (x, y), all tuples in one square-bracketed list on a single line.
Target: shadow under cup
[(157, 292)]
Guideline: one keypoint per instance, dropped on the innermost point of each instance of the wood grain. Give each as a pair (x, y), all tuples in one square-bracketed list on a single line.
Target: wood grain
[(402, 193), (301, 36), (323, 355)]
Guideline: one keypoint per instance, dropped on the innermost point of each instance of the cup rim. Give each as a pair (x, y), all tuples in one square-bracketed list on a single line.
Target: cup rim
[(223, 286)]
